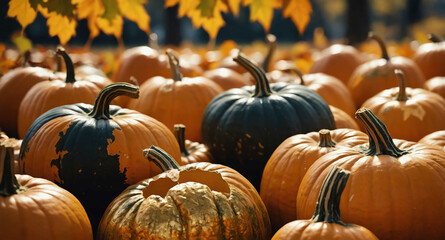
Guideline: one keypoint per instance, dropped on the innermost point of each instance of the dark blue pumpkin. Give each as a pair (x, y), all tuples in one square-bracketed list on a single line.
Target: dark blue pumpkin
[(243, 126)]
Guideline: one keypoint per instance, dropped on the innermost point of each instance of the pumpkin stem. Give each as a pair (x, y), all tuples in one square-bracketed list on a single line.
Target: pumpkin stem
[(328, 204), (179, 130), (401, 96), (69, 65), (153, 41), (434, 38), (381, 44), (8, 182), (174, 65), (161, 158), (262, 88), (25, 58), (101, 109), (380, 142), (298, 72), (272, 42), (325, 138)]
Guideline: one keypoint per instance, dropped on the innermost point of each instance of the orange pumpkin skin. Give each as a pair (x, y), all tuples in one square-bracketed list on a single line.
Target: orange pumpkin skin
[(386, 194), (418, 113), (436, 85), (227, 78), (288, 164), (191, 152), (374, 76), (13, 87), (430, 57), (338, 61), (436, 138), (342, 119)]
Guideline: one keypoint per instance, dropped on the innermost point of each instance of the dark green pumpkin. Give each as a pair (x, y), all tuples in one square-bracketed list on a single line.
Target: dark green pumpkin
[(94, 152), (243, 126)]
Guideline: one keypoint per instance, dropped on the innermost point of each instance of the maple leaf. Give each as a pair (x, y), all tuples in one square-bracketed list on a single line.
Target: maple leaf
[(234, 6), (262, 11), (23, 11), (22, 43), (299, 11), (134, 10), (61, 26), (90, 10), (208, 16)]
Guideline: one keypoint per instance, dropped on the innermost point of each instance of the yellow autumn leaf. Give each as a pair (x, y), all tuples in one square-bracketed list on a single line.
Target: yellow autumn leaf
[(90, 10), (61, 26), (134, 10), (234, 6), (23, 43), (112, 28), (170, 3), (300, 13), (209, 19), (22, 10), (261, 11)]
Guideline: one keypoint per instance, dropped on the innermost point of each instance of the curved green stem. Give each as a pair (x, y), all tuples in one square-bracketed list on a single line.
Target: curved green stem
[(174, 65), (179, 130), (401, 96), (161, 158), (328, 204), (434, 38), (262, 88), (298, 73), (101, 109), (272, 42), (381, 44), (380, 142), (69, 65), (325, 138), (8, 182)]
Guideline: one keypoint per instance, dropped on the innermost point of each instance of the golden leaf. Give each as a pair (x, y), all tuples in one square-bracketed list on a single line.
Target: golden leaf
[(234, 6), (112, 28), (22, 43), (22, 10), (134, 10), (299, 11), (211, 23), (91, 10), (61, 26), (261, 11)]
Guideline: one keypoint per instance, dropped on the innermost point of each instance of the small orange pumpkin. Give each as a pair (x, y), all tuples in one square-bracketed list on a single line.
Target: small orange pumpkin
[(430, 57), (227, 78), (191, 152), (342, 119), (436, 85)]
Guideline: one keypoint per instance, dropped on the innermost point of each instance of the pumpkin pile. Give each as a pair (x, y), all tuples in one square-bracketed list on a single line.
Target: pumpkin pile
[(198, 143)]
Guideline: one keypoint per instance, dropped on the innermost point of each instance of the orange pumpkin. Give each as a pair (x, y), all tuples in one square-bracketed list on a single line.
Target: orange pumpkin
[(342, 119), (68, 89), (191, 152), (395, 189), (176, 99), (374, 76), (408, 113), (338, 61), (288, 164), (430, 57), (35, 208), (227, 78), (326, 223), (436, 85), (436, 138)]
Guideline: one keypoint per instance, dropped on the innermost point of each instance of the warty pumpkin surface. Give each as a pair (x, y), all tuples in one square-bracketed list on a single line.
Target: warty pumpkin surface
[(94, 151), (35, 208), (288, 164), (195, 201), (243, 126), (395, 189)]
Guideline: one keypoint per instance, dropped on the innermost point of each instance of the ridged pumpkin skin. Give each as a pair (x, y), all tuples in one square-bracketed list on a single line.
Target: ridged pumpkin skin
[(374, 76), (430, 57), (196, 201), (35, 208), (13, 87), (290, 161), (94, 151), (436, 138), (408, 113), (242, 127), (395, 188)]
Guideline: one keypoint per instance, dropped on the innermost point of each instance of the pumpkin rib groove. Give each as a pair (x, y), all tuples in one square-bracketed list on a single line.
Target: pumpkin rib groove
[(181, 218)]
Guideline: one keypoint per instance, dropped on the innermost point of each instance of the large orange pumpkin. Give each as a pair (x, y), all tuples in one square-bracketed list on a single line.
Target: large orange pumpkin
[(176, 99), (195, 201), (395, 189), (35, 208), (430, 57), (377, 75), (325, 223), (436, 85), (408, 113), (435, 138), (227, 78), (290, 161)]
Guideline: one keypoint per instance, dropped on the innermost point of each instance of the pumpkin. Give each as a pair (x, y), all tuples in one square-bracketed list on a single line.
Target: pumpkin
[(339, 61), (35, 208), (436, 138), (342, 119), (243, 126), (176, 99), (68, 89), (13, 87), (227, 78), (395, 189), (195, 201), (326, 223), (191, 152), (376, 75), (436, 85), (288, 164), (430, 57), (15, 144), (94, 151), (408, 113)]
